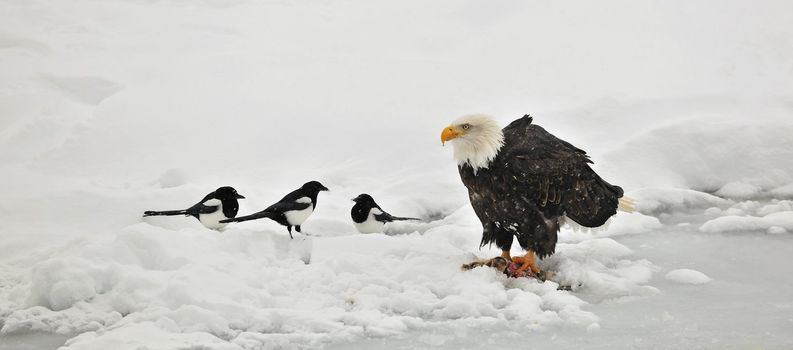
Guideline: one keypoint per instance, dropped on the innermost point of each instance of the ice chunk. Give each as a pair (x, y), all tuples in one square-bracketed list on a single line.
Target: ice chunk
[(687, 276)]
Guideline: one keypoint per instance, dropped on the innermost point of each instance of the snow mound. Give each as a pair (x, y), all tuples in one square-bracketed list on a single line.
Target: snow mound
[(249, 289), (90, 90), (687, 276), (739, 190), (601, 267), (731, 156), (775, 207), (147, 335), (783, 220), (172, 178)]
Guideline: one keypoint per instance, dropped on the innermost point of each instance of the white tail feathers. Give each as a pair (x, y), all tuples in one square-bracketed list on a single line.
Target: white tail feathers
[(627, 205)]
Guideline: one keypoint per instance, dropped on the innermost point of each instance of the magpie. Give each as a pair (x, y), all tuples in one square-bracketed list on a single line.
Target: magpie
[(218, 205), (292, 210), (368, 217)]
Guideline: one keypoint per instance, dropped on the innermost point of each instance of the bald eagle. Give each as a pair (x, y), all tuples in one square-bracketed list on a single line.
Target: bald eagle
[(523, 182)]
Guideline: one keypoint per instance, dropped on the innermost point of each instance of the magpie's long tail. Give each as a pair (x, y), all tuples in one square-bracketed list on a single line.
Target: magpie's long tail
[(164, 213), (259, 215)]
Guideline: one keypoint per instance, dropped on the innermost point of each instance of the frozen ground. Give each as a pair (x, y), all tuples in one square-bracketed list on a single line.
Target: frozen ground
[(111, 108), (736, 311)]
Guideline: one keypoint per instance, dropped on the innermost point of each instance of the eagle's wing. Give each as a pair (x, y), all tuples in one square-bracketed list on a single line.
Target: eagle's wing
[(555, 175)]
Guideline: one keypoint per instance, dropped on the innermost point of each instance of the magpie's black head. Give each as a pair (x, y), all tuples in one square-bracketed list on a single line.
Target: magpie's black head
[(227, 192), (314, 186), (364, 199)]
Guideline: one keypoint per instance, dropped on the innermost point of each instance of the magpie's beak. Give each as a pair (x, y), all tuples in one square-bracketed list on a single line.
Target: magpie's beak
[(323, 188), (239, 196)]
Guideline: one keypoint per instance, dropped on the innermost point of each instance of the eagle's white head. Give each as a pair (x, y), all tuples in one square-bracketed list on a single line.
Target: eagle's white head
[(477, 138)]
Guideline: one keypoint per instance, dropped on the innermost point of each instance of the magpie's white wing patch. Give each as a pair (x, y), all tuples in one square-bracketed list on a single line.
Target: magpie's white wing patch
[(212, 202), (371, 225), (298, 217)]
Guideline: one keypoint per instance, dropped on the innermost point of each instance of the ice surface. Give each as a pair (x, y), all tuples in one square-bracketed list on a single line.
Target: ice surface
[(115, 108)]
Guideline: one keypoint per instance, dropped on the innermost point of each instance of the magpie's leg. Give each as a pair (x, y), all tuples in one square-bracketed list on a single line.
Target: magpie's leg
[(289, 228), (297, 227)]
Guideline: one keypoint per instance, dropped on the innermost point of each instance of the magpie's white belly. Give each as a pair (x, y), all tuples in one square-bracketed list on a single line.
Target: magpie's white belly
[(212, 220), (370, 225), (298, 217)]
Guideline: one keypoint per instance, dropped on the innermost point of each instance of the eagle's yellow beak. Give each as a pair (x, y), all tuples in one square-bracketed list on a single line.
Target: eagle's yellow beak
[(449, 133)]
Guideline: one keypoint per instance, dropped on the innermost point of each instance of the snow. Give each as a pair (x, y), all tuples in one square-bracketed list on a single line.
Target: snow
[(687, 276), (727, 155), (750, 223), (739, 190), (783, 191), (112, 108), (241, 282), (666, 200), (775, 217), (144, 334)]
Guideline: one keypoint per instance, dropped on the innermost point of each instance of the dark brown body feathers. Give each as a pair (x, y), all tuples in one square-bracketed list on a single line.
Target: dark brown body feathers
[(535, 179)]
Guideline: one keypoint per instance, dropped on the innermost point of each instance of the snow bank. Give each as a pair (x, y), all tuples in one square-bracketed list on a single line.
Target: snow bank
[(687, 276), (243, 288)]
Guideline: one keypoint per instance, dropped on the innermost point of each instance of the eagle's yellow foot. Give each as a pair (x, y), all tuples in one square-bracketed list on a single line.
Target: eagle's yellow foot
[(527, 263), (505, 254)]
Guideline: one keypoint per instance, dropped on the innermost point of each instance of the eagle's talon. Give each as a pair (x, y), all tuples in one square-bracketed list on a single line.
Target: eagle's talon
[(526, 262)]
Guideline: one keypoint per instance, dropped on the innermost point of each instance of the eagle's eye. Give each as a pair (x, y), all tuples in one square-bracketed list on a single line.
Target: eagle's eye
[(466, 126)]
